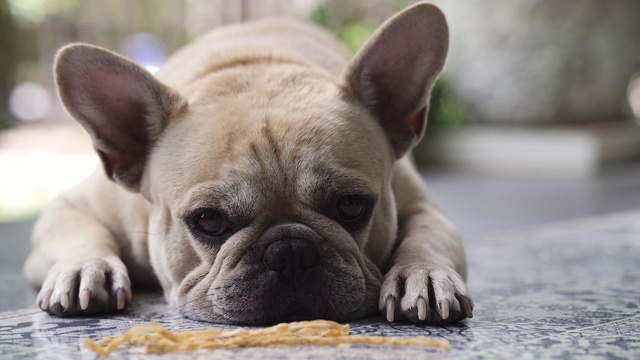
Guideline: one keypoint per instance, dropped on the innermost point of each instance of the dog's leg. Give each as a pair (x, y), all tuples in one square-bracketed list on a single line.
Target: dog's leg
[(426, 272), (75, 260)]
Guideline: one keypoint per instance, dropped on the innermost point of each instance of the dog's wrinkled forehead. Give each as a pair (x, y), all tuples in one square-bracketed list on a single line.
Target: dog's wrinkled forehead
[(273, 145), (277, 164)]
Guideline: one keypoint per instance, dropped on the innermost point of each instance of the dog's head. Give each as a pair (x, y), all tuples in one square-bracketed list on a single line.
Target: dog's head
[(269, 186)]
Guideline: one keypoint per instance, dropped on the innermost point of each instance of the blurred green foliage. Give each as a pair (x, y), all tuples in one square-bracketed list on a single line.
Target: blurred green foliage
[(6, 122), (320, 15), (34, 11), (352, 34), (446, 112)]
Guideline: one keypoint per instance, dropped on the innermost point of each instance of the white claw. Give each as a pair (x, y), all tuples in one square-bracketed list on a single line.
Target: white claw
[(85, 296), (120, 298), (64, 300), (390, 305), (44, 305), (444, 309), (422, 308)]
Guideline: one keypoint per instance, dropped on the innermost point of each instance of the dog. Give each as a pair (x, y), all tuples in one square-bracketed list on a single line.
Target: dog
[(259, 177)]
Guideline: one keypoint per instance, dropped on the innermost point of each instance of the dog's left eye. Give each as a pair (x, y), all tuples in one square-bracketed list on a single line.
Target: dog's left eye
[(351, 208), (210, 223)]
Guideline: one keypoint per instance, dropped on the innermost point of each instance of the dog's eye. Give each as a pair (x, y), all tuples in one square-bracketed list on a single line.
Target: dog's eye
[(210, 223), (351, 208)]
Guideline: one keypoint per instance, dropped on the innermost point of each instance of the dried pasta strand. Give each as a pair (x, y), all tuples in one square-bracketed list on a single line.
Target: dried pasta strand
[(158, 339)]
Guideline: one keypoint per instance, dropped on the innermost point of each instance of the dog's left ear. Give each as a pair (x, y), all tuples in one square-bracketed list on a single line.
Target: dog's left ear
[(121, 105), (393, 73)]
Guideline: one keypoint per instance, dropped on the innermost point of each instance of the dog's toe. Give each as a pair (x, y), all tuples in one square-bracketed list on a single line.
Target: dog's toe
[(427, 294), (87, 287)]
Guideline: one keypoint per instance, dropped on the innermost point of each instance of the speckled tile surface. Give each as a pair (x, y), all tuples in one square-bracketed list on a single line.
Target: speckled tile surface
[(567, 290)]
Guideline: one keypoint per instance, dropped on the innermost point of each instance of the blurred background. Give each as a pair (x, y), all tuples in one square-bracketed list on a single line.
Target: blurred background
[(532, 121)]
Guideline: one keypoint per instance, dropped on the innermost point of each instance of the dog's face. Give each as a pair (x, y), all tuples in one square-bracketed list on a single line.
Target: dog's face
[(271, 180), (269, 185)]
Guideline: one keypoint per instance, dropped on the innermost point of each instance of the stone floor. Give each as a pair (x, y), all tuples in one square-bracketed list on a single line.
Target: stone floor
[(568, 290)]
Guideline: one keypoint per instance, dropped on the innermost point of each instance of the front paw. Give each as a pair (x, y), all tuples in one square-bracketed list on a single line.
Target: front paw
[(85, 287), (428, 294)]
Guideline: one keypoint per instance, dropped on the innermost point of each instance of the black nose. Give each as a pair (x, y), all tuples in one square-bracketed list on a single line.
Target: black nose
[(290, 258)]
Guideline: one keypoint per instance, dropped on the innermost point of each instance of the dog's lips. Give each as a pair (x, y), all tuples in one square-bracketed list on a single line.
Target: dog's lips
[(258, 297), (296, 306)]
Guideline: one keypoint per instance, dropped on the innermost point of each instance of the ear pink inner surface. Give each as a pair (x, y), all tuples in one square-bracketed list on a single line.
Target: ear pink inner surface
[(112, 103)]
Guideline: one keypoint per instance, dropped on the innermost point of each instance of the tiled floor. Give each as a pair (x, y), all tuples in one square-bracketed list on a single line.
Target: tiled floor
[(567, 290), (15, 293)]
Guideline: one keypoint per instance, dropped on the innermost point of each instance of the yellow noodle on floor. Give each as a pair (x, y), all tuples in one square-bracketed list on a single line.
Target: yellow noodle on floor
[(157, 339)]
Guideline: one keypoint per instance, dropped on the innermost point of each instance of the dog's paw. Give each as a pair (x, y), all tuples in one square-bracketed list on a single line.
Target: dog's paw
[(85, 287), (425, 294)]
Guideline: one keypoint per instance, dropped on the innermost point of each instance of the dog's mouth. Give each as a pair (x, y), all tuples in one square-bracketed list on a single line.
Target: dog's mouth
[(313, 297), (266, 298), (260, 300), (293, 308)]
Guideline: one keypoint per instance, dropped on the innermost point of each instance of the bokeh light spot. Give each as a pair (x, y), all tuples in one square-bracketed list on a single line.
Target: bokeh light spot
[(145, 49), (30, 101)]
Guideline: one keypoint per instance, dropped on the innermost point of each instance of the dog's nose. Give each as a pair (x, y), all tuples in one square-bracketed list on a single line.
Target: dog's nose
[(290, 258)]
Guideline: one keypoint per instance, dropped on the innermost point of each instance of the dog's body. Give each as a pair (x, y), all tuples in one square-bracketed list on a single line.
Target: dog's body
[(266, 180)]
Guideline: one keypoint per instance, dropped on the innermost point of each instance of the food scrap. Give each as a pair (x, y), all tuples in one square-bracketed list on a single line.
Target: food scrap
[(157, 339)]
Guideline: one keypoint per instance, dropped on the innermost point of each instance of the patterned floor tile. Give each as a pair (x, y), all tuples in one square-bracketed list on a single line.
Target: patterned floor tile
[(613, 340)]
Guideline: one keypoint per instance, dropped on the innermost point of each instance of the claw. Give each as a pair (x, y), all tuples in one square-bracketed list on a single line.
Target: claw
[(466, 307), (422, 308), (85, 296), (444, 309), (44, 305), (120, 294), (64, 300), (390, 306)]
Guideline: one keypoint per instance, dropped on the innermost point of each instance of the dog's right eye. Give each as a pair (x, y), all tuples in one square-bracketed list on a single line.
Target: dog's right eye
[(210, 223)]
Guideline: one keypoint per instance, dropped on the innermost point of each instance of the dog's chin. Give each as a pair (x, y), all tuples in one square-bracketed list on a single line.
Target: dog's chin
[(258, 318), (293, 309)]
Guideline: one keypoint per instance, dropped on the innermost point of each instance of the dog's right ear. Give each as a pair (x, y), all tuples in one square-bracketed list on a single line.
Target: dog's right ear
[(394, 71), (121, 105)]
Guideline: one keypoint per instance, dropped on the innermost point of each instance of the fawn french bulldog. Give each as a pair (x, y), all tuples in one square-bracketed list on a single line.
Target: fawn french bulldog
[(259, 177)]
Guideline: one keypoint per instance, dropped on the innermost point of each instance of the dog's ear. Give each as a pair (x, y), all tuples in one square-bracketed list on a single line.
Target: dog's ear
[(121, 105), (393, 73)]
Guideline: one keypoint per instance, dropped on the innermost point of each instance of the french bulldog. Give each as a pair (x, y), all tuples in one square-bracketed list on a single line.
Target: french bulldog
[(259, 177)]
